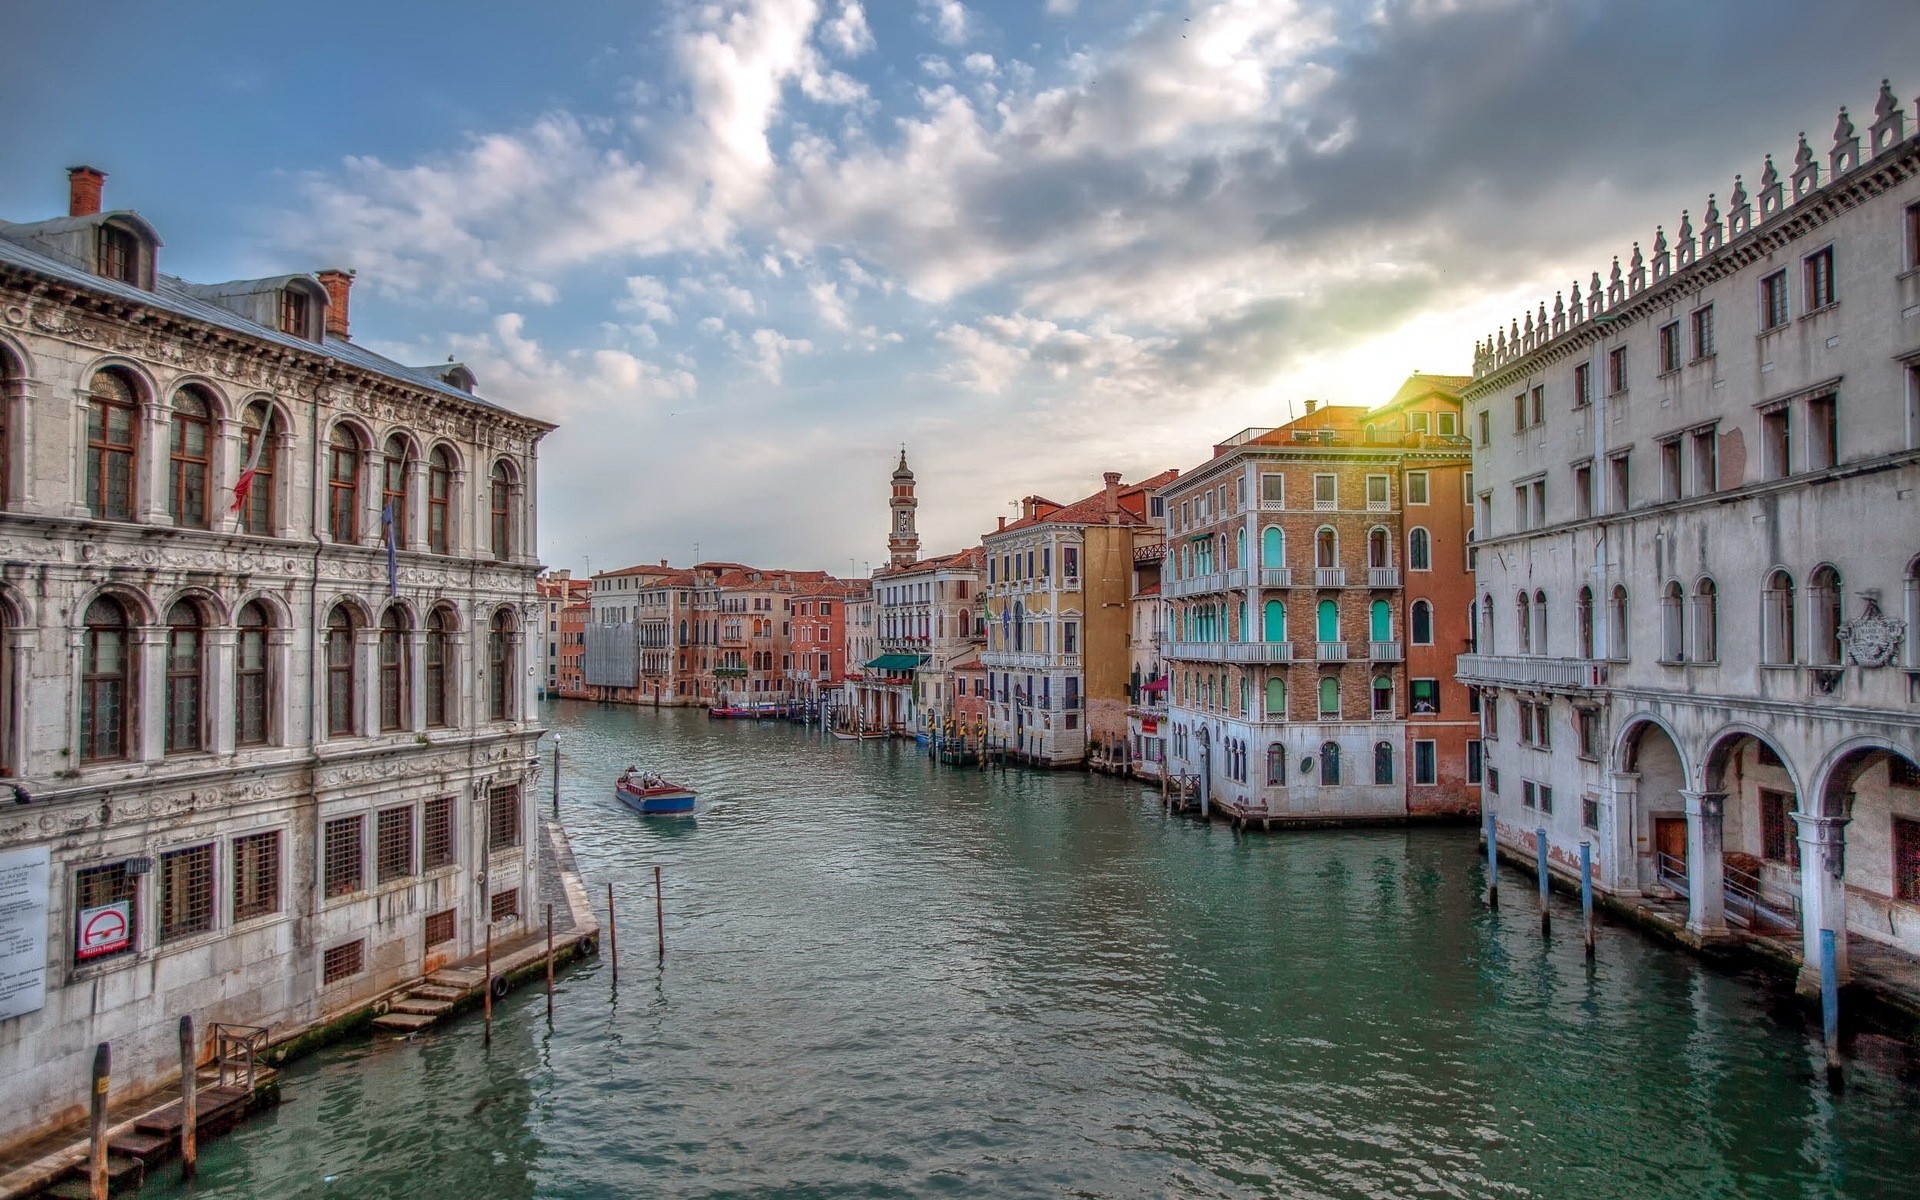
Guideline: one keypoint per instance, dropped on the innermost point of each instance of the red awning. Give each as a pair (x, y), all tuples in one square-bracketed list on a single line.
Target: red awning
[(1154, 685)]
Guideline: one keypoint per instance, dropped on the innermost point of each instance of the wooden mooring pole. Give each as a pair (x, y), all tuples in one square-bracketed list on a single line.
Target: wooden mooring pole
[(1493, 864), (1830, 1003), (549, 964), (1540, 842), (1586, 894), (556, 778), (613, 937), (659, 914), (97, 1123), (189, 1101), (488, 1001)]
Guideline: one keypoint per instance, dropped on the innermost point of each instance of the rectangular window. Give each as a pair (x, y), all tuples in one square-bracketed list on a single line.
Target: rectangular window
[(1416, 487), (1819, 272), (1545, 796), (1476, 760), (343, 962), (1423, 696), (1616, 370), (1449, 424), (1526, 723), (1590, 812), (1426, 762), (1583, 489), (101, 934), (1588, 722), (505, 905), (1776, 442), (1419, 422), (1823, 433), (1773, 301), (1070, 637), (1519, 411), (1777, 841), (1522, 507), (1486, 427), (342, 871), (1539, 491), (1490, 717), (1702, 321), (1706, 462), (1526, 793), (1377, 493), (256, 875), (442, 927), (1493, 780), (1543, 725), (1621, 467), (1906, 859), (1670, 466), (393, 843), (186, 892), (503, 817), (1670, 347), (1273, 491), (1069, 562), (1582, 384), (1537, 401), (1325, 492)]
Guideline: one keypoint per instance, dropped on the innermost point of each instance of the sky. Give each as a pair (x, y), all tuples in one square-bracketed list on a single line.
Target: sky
[(742, 251)]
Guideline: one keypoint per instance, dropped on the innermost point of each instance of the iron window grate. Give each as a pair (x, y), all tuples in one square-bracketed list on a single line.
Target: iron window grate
[(437, 848), (393, 843), (186, 892), (344, 838), (256, 875), (341, 962)]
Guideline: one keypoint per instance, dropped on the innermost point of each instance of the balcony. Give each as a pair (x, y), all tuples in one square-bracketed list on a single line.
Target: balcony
[(1197, 651), (1236, 578), (1260, 652), (1150, 553), (1330, 652), (1015, 658), (1517, 670), (1276, 577), (1385, 651), (1383, 577), (1329, 577)]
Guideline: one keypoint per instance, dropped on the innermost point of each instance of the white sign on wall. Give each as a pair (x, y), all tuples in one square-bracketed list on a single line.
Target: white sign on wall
[(24, 876)]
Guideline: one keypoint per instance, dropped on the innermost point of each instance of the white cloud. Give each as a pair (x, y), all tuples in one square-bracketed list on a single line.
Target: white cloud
[(846, 31), (949, 19), (648, 297), (831, 306), (978, 64), (767, 350)]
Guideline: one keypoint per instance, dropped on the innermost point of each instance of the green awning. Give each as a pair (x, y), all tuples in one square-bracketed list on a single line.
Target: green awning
[(897, 662)]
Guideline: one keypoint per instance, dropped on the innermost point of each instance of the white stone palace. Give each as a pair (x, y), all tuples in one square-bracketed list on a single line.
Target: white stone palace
[(246, 776), (1698, 559)]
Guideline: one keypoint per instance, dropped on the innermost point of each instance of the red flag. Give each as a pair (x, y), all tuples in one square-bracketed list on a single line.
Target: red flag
[(243, 486)]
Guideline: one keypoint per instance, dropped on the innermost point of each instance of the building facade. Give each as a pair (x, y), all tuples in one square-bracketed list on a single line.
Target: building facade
[(267, 704), (1319, 590), (1698, 570)]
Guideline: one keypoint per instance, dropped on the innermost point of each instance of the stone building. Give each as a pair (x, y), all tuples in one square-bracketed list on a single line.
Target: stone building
[(266, 706), (556, 589), (1698, 560), (1318, 587), (927, 614), (1145, 750)]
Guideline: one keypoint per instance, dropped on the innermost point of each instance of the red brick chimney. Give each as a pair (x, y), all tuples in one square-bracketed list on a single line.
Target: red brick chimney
[(338, 283), (1113, 491), (83, 190), (1026, 508), (1003, 522)]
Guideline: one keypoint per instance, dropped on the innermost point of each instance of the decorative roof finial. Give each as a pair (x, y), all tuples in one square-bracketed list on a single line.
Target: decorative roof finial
[(1576, 313), (1885, 104), (1889, 121)]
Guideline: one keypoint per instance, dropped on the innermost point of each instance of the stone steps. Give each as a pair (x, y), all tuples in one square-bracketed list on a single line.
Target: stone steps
[(411, 1005), (399, 1022)]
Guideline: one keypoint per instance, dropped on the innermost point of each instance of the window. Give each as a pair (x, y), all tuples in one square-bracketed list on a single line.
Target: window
[(1706, 622), (294, 307), (343, 962), (1617, 623), (1706, 462), (1523, 622), (1486, 427), (112, 436), (1582, 384), (1616, 370), (1526, 722), (1493, 780), (1490, 715), (500, 526), (1545, 796), (118, 253), (343, 485), (505, 906), (1276, 765), (393, 843), (106, 675), (1383, 762), (342, 675), (256, 875), (255, 491), (1378, 554), (503, 818), (1069, 564), (1583, 489), (342, 870), (1777, 842), (1776, 438), (1426, 762), (250, 682), (103, 888), (1906, 858), (1382, 692), (500, 666), (1419, 550), (1377, 492), (1672, 624), (1824, 616), (1519, 411), (1773, 301), (1776, 620), (1325, 492), (183, 679), (1819, 273), (1329, 763), (1420, 623), (439, 497), (1670, 347), (1417, 487), (1423, 696), (437, 847), (1621, 467), (439, 644), (394, 669), (1539, 491), (1587, 726), (1702, 321), (1670, 467), (1273, 491), (186, 892), (1823, 434), (442, 927), (1913, 237), (1419, 422), (1537, 404), (189, 460), (1449, 424), (1329, 698), (393, 490), (1522, 509), (1476, 760)]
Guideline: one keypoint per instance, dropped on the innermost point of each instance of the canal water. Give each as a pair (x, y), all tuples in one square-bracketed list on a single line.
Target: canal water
[(885, 978)]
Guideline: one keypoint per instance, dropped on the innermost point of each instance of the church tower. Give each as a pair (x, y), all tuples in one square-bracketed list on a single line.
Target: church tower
[(903, 543)]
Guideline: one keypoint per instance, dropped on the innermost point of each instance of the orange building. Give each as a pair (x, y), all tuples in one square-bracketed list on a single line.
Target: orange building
[(573, 648)]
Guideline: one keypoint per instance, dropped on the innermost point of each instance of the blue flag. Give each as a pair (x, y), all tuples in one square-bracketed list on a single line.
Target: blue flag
[(393, 554)]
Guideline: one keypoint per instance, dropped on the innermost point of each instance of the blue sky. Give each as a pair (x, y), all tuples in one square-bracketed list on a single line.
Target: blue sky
[(743, 249)]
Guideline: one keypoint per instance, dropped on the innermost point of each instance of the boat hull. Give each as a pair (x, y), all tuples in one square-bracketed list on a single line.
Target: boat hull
[(656, 802)]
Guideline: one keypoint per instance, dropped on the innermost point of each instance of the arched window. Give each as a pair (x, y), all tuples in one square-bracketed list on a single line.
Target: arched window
[(1419, 550), (500, 525), (1382, 696), (184, 645), (1276, 765), (251, 726), (1240, 547), (1673, 630), (1379, 552), (393, 490), (439, 500), (1329, 697), (1706, 621), (9, 373), (1273, 547), (1913, 611), (1776, 619), (258, 453), (342, 677), (394, 669), (1540, 644), (500, 666), (106, 682), (1329, 763), (1523, 622), (1617, 623), (1380, 621), (1326, 548), (1327, 622), (1276, 709), (189, 464), (1420, 623), (1824, 616), (1484, 645), (113, 433), (1273, 621), (1584, 613), (343, 486), (1383, 762)]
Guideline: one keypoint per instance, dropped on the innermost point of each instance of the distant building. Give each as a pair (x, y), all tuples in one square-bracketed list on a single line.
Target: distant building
[(556, 589), (927, 614), (1145, 750), (573, 648)]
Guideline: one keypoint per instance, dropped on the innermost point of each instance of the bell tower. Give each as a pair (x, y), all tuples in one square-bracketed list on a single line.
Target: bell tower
[(903, 542)]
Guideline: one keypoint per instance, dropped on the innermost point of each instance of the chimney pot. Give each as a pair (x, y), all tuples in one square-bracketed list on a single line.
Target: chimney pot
[(1311, 405), (1003, 522), (338, 284), (83, 190)]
